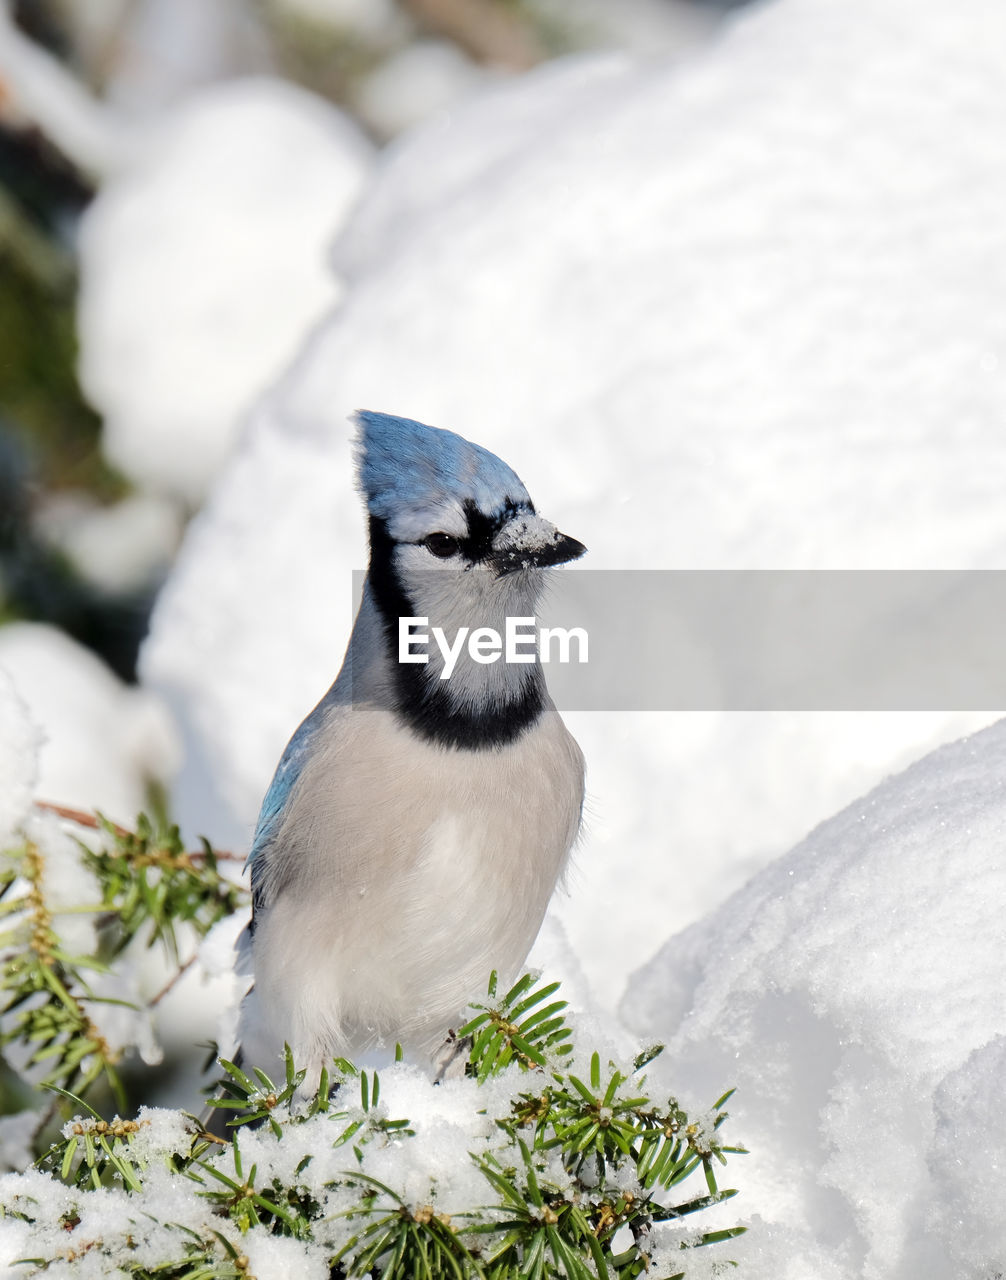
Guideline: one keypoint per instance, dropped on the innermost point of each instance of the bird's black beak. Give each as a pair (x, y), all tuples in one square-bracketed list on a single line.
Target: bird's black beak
[(562, 550), (559, 548)]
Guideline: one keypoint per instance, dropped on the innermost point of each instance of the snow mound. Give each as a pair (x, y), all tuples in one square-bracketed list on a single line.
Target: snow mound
[(414, 83), (203, 266), (967, 1161), (102, 741), (19, 741), (118, 548), (852, 991), (742, 310)]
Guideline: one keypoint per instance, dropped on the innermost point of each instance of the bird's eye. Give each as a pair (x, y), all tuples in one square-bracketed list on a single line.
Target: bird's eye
[(441, 545)]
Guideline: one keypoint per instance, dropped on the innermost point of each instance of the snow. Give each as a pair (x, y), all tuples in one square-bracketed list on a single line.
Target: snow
[(163, 50), (283, 1258), (160, 1131), (104, 742), (121, 548), (18, 759), (30, 1189), (17, 1133), (39, 91), (422, 78), (433, 1167), (967, 1161), (203, 267), (644, 27), (365, 18), (852, 993), (222, 989), (737, 311)]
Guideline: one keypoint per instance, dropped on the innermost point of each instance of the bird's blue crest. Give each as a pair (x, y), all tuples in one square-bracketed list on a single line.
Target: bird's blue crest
[(405, 465)]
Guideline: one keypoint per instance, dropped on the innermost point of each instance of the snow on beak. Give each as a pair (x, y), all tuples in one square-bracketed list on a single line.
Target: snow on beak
[(529, 542)]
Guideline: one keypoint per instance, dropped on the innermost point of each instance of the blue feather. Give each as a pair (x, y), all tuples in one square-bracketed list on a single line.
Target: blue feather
[(298, 750), (403, 463)]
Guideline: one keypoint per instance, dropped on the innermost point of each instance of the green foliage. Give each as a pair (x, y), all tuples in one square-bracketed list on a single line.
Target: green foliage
[(257, 1100), (148, 886), (40, 400), (574, 1161), (94, 1150), (598, 1129), (502, 1034), (569, 1165)]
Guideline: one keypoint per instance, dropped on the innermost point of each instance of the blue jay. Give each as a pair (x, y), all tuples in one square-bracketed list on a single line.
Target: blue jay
[(416, 826)]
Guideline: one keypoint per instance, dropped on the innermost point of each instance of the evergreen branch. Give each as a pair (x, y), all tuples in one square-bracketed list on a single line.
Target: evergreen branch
[(574, 1160), (148, 885)]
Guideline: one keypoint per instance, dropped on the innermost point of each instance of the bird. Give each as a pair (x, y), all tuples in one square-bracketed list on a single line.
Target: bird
[(417, 823)]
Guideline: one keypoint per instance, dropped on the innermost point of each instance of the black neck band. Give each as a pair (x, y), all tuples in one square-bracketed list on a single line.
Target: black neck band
[(423, 704)]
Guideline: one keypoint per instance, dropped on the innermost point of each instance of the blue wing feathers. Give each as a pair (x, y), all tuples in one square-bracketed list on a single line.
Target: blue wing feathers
[(276, 798)]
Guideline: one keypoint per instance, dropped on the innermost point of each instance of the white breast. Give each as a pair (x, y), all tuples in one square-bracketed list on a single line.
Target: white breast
[(413, 871)]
